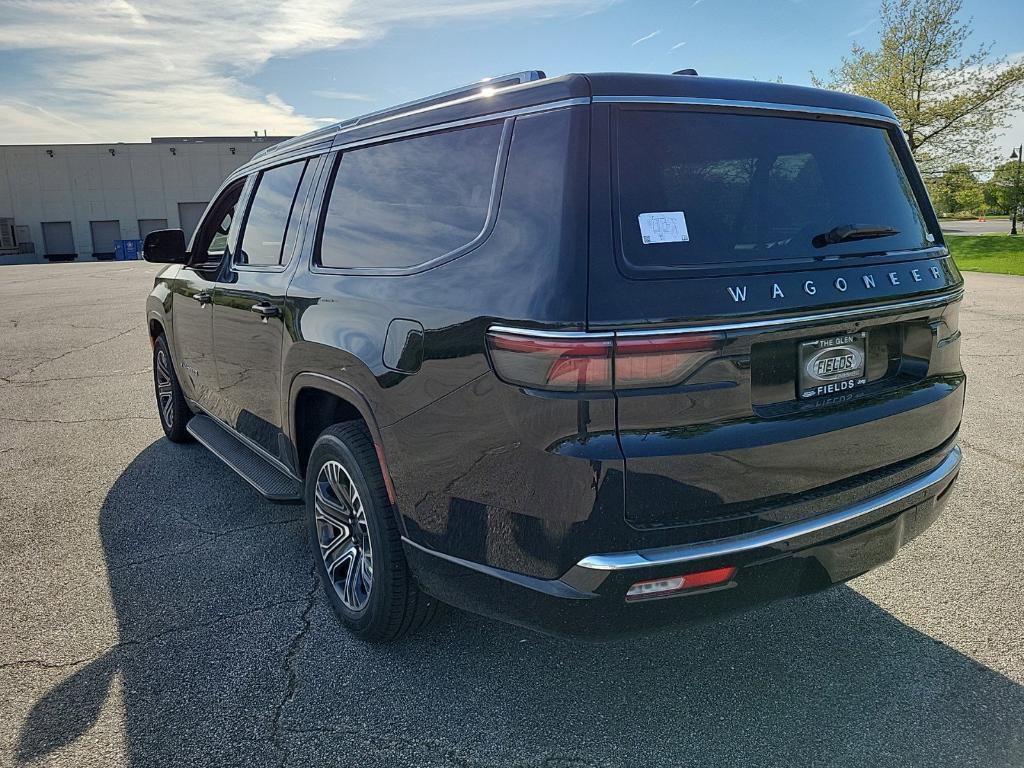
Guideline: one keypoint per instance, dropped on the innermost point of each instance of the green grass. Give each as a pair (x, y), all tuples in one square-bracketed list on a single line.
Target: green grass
[(1001, 254)]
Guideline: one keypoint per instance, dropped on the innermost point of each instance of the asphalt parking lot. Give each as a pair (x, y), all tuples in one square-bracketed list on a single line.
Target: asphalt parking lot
[(975, 226), (156, 611)]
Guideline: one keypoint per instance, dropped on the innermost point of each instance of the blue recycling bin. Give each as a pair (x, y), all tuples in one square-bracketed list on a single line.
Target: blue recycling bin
[(127, 250)]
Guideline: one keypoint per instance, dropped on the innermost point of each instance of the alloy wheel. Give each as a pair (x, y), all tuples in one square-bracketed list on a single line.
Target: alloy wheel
[(343, 535), (164, 388)]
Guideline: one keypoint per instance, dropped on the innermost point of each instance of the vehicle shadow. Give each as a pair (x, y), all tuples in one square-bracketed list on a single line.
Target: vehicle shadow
[(229, 655)]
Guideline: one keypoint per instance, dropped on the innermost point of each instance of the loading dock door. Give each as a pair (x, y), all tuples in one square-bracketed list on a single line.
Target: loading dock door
[(189, 215), (104, 233), (150, 225), (58, 240)]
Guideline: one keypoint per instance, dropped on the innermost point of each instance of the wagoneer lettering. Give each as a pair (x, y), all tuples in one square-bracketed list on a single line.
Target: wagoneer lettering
[(478, 338)]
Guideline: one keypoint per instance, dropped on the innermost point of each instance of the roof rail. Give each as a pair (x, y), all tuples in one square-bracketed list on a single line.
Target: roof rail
[(486, 85)]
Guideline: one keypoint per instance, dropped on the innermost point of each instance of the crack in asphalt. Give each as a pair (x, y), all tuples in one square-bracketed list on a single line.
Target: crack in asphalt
[(132, 643), (289, 668), (992, 455), (33, 368), (213, 536), (79, 421), (27, 382)]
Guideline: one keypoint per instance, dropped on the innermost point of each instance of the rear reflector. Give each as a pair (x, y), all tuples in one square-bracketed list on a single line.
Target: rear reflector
[(672, 584), (596, 362)]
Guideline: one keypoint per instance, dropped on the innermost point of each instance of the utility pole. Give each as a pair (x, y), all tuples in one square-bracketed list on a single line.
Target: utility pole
[(1017, 154)]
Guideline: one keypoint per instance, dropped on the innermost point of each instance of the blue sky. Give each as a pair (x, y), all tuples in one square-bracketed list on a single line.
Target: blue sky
[(110, 70)]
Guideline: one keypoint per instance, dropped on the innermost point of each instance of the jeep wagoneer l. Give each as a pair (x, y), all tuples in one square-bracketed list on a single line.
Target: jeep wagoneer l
[(593, 354)]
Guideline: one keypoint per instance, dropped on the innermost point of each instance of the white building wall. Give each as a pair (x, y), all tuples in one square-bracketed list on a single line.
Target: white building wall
[(82, 183)]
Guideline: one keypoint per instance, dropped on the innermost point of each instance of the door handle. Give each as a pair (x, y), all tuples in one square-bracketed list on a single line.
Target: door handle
[(202, 297), (265, 310)]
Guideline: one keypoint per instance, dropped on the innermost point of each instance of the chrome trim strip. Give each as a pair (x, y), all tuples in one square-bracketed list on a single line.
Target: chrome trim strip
[(436, 127), (550, 334), (839, 314), (735, 104), (331, 136), (783, 533)]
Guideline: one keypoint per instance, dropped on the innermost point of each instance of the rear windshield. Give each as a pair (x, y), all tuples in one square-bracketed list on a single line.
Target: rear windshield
[(700, 189)]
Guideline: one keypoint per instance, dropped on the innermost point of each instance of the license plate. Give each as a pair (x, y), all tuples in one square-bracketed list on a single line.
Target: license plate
[(833, 365)]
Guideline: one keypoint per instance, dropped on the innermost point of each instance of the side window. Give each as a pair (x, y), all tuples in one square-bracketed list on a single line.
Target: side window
[(215, 230), (266, 225), (410, 201)]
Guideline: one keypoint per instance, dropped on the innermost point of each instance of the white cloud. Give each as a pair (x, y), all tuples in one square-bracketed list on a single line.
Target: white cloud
[(655, 33), (862, 29), (125, 70), (341, 95), (677, 45)]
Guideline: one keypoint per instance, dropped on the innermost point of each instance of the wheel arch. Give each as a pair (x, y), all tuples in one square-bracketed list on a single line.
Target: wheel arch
[(315, 402)]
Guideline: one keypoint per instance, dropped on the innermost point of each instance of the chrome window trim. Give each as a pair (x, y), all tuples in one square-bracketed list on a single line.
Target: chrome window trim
[(778, 535), (742, 105), (438, 127)]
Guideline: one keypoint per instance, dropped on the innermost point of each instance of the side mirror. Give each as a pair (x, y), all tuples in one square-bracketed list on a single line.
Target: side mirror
[(165, 246)]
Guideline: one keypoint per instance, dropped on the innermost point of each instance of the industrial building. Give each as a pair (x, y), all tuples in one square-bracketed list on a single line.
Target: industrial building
[(74, 201)]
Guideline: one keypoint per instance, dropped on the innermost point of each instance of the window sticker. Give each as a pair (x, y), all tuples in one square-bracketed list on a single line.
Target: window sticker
[(666, 227)]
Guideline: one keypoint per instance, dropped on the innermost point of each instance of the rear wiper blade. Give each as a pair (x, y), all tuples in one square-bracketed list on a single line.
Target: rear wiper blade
[(847, 232)]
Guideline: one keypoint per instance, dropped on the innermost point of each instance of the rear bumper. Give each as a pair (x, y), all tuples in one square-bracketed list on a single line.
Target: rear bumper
[(787, 560)]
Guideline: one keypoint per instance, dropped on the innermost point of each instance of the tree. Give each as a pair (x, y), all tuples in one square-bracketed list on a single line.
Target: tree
[(1001, 190), (950, 103), (957, 191)]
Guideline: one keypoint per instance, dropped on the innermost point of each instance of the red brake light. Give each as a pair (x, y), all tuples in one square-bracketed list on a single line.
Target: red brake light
[(594, 362)]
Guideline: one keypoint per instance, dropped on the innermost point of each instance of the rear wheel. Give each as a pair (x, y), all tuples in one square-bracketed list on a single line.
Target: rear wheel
[(170, 401), (356, 541)]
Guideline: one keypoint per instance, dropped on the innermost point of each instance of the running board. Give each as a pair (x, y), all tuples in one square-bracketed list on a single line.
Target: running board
[(262, 475)]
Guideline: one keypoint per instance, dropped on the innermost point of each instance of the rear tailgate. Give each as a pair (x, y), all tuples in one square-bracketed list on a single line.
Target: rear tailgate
[(837, 367)]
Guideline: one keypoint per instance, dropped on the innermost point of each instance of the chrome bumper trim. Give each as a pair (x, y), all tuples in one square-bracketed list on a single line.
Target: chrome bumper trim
[(922, 487)]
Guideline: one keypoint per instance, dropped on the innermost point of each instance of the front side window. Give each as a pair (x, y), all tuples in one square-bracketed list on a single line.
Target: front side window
[(699, 189), (402, 204), (214, 232), (266, 225)]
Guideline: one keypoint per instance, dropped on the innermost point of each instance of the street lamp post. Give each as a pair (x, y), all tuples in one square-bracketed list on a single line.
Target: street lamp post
[(1018, 155)]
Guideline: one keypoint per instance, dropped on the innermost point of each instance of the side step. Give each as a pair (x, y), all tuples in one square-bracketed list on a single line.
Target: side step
[(254, 469)]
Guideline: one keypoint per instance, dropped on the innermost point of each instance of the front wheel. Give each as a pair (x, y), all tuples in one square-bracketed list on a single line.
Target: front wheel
[(356, 541), (170, 401)]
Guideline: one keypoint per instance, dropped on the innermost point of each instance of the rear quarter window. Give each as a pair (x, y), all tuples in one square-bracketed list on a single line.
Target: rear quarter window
[(752, 188), (402, 204)]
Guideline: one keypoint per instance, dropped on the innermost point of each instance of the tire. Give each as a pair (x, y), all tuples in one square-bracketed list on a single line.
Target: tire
[(356, 541), (170, 401)]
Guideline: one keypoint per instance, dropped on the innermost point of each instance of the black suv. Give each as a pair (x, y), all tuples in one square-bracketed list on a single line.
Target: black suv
[(591, 354)]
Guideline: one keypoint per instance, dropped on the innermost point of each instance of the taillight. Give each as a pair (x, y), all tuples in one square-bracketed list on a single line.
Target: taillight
[(595, 362), (565, 364), (660, 361)]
